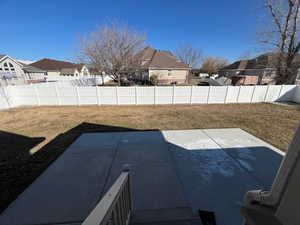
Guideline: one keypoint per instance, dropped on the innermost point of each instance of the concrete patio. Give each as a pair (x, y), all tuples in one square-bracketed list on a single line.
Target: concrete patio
[(197, 169)]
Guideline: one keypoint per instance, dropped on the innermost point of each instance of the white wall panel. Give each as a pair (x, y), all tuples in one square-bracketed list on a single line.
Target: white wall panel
[(200, 95), (182, 95), (232, 94), (287, 93), (164, 95), (273, 93), (145, 95), (108, 95), (126, 95), (259, 94), (245, 94), (217, 94)]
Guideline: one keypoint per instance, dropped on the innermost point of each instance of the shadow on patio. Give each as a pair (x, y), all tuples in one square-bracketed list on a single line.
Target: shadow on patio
[(171, 170), (19, 168)]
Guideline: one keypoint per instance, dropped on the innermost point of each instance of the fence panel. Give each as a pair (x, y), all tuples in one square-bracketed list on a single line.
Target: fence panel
[(217, 94), (25, 95), (3, 99), (200, 95), (232, 94), (35, 95), (287, 93), (164, 95), (108, 95), (245, 94), (126, 95), (273, 93), (68, 96), (259, 94), (296, 96), (145, 95), (182, 95), (47, 96), (87, 95)]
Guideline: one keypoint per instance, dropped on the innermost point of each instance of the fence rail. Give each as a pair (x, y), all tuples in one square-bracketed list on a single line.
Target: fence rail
[(36, 95), (115, 207)]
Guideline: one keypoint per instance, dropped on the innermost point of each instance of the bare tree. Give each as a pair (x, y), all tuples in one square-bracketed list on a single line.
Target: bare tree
[(112, 49), (189, 55), (213, 64), (284, 36)]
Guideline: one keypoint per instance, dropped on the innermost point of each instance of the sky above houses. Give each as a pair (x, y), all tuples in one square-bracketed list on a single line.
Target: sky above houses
[(35, 29)]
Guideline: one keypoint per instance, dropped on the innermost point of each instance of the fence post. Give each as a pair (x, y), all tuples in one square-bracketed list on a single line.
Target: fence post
[(78, 96), (173, 96), (97, 95), (226, 95), (37, 95), (6, 96), (266, 93), (117, 95), (238, 95), (280, 91), (207, 100), (136, 95), (253, 94), (191, 95), (57, 95), (155, 95)]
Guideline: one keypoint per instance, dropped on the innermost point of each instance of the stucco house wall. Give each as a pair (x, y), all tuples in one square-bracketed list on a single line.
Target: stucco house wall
[(169, 75), (53, 73)]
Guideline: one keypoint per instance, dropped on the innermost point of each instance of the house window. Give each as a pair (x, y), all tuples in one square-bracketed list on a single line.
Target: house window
[(169, 72), (5, 67), (11, 67)]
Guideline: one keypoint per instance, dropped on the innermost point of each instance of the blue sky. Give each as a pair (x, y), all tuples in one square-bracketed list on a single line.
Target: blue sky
[(35, 29)]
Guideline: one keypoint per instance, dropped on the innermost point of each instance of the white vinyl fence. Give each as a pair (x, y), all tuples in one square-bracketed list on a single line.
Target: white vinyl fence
[(35, 95), (77, 81), (296, 97)]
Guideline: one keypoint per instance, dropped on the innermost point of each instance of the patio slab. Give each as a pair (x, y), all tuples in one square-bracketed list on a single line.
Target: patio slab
[(202, 169)]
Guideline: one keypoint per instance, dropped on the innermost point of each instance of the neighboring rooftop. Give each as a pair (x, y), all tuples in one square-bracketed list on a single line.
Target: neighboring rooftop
[(160, 59), (32, 69), (68, 70), (263, 61), (51, 64), (25, 62)]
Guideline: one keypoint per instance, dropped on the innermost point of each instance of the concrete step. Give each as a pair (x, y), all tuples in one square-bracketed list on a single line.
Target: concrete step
[(175, 216)]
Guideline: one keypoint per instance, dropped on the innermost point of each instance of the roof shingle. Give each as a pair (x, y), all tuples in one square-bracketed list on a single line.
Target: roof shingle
[(51, 64), (160, 59)]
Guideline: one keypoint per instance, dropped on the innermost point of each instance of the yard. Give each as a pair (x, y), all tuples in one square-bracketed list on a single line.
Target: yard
[(31, 138)]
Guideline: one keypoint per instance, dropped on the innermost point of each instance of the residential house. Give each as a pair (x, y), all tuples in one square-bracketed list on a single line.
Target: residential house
[(11, 66), (61, 68), (164, 65), (259, 70), (33, 74), (20, 71)]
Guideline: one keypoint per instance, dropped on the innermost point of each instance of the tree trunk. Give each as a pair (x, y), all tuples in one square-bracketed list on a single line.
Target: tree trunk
[(119, 80)]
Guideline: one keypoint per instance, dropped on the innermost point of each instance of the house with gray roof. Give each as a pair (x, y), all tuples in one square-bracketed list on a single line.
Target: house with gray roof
[(164, 65), (260, 69)]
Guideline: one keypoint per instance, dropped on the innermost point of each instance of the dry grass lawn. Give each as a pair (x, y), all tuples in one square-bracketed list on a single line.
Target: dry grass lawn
[(31, 138)]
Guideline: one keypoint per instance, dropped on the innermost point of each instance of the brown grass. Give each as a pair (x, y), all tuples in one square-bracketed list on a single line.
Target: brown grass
[(32, 138)]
